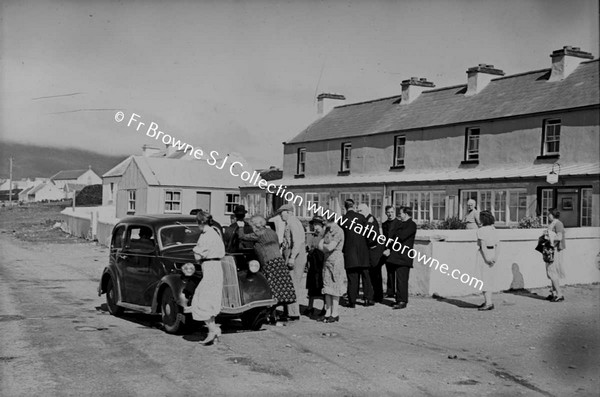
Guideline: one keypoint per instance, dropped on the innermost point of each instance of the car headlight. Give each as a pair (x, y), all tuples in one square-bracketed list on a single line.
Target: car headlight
[(188, 269), (254, 266)]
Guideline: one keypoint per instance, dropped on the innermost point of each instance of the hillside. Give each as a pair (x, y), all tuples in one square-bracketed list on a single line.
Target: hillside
[(40, 161)]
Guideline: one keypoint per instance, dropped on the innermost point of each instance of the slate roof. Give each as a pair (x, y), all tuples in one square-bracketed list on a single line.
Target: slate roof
[(412, 176), (515, 95), (26, 191), (161, 171), (39, 187), (271, 174), (67, 174), (74, 187), (118, 169)]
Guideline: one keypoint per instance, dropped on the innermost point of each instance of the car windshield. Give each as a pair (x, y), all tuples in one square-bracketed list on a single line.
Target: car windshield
[(173, 235)]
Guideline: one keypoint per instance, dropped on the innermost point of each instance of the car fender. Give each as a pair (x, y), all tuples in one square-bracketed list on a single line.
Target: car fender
[(175, 283), (107, 273)]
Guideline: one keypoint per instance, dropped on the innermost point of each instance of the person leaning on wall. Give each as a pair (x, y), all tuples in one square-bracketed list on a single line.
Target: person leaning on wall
[(471, 219)]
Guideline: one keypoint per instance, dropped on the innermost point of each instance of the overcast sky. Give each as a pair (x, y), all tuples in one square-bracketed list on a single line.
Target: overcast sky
[(242, 76)]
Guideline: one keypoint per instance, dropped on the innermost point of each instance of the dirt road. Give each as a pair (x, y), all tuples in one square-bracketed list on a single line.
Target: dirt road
[(57, 339)]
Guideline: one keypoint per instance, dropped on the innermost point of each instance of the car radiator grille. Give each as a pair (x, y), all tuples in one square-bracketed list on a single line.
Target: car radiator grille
[(231, 287)]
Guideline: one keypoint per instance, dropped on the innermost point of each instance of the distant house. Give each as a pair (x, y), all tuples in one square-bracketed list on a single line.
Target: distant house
[(111, 179), (43, 191), (81, 177), (23, 183), (23, 194), (70, 189), (163, 185)]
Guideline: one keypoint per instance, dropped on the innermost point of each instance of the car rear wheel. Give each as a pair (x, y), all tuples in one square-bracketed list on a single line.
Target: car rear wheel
[(111, 299), (254, 319), (172, 318)]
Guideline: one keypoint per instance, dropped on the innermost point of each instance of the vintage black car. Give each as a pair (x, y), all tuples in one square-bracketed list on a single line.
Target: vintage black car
[(145, 273)]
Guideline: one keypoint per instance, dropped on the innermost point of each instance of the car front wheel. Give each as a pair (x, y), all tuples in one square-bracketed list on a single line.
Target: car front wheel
[(111, 299), (172, 318), (254, 319)]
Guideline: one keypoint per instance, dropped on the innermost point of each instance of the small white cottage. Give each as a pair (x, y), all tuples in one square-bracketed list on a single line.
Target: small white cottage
[(161, 185)]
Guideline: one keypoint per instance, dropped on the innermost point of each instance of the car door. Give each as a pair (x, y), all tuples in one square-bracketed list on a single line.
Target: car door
[(116, 246), (138, 262)]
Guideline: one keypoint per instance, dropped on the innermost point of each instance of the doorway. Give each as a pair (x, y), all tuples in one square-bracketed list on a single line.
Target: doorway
[(203, 201), (567, 203)]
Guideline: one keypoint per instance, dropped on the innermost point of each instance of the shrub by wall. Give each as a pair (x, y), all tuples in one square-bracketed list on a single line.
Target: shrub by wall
[(89, 195)]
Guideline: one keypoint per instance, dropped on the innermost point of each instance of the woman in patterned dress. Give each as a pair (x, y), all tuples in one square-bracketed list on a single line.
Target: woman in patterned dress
[(333, 270), (266, 246), (206, 303)]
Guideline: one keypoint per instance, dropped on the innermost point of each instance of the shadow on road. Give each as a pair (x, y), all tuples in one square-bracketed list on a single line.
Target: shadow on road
[(456, 302), (524, 292)]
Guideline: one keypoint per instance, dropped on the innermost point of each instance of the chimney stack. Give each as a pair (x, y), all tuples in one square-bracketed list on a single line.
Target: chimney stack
[(149, 151), (478, 77), (326, 102), (412, 88), (566, 60)]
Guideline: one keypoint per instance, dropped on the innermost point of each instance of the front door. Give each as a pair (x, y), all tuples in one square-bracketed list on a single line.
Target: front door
[(203, 201), (567, 203)]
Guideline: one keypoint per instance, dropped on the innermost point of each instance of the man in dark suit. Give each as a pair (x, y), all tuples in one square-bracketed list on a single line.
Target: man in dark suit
[(375, 252), (388, 227), (356, 255), (230, 237), (405, 235)]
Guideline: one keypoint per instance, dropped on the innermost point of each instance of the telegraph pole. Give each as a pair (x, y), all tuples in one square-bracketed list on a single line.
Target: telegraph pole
[(10, 183)]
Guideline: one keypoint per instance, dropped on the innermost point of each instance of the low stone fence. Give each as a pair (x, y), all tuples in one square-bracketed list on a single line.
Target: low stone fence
[(519, 264)]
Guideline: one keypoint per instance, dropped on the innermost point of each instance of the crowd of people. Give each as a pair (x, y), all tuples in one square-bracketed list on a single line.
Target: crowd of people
[(336, 253)]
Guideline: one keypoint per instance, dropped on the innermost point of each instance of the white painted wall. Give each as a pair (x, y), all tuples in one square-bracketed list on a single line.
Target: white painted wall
[(517, 258)]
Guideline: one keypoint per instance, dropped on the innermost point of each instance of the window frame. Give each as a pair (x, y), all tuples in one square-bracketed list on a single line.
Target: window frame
[(343, 168), (416, 199), (553, 122), (301, 161), (470, 158), (374, 200), (131, 202), (231, 203), (583, 219), (254, 203), (173, 201), (397, 161), (488, 197)]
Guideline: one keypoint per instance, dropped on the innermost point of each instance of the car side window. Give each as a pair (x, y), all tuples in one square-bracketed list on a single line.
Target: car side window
[(118, 237), (140, 239)]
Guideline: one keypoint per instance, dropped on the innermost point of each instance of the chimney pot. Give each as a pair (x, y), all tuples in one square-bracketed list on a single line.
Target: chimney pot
[(327, 101), (566, 60), (478, 77), (412, 88)]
